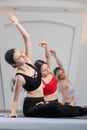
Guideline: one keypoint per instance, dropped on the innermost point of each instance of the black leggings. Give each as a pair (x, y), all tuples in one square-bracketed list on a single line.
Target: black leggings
[(51, 109)]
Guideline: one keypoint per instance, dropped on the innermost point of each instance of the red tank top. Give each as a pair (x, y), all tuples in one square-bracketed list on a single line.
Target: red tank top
[(51, 87)]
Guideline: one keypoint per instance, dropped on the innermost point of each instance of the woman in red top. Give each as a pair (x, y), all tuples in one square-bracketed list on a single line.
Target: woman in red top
[(50, 83)]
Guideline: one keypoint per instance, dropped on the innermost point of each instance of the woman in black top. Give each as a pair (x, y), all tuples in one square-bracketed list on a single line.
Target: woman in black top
[(29, 78)]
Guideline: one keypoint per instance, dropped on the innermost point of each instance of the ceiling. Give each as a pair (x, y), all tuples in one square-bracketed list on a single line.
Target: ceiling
[(81, 1), (47, 5)]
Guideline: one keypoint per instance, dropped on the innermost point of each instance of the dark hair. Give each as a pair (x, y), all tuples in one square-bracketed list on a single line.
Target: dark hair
[(38, 64), (9, 56), (56, 70)]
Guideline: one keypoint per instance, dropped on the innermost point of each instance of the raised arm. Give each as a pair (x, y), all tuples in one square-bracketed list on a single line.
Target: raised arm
[(47, 53), (53, 53), (25, 35)]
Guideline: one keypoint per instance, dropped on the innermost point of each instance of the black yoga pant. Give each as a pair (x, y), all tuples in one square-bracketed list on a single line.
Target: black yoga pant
[(51, 109), (31, 110)]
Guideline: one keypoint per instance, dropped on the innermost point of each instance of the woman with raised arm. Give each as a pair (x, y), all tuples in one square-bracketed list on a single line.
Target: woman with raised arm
[(50, 87), (29, 78), (65, 84)]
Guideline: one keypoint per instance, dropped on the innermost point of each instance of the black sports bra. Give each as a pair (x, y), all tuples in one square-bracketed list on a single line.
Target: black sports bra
[(33, 82)]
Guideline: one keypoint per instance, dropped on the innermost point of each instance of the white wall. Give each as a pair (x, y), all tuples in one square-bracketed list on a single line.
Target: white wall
[(81, 82), (1, 91)]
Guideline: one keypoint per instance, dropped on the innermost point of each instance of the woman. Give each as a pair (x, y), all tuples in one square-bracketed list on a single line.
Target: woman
[(29, 78), (66, 86), (50, 87)]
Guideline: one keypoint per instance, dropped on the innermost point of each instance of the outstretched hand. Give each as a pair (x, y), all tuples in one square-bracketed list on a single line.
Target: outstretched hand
[(13, 18), (11, 116), (52, 52), (43, 44)]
